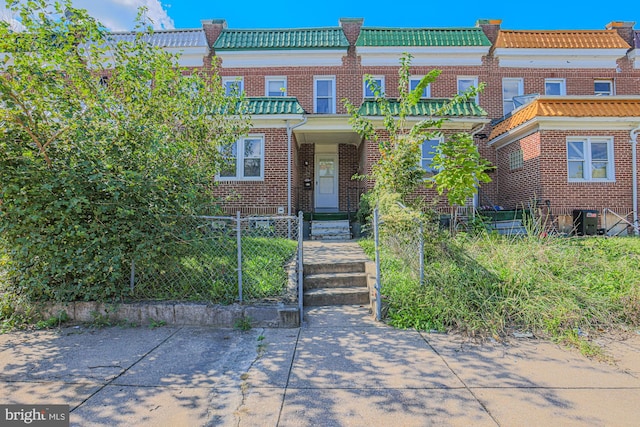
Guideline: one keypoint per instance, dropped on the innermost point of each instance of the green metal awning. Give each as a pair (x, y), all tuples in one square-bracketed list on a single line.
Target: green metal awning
[(422, 37), (274, 105), (270, 39), (426, 107)]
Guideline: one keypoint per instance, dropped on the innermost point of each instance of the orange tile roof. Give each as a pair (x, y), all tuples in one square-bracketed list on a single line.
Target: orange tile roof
[(561, 39), (568, 107)]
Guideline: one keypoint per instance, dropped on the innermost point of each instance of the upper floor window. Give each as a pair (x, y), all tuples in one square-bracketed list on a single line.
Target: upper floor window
[(510, 87), (324, 95), (555, 87), (244, 160), (233, 85), (590, 159), (372, 86), (275, 86), (603, 87), (428, 151), (465, 82), (413, 84)]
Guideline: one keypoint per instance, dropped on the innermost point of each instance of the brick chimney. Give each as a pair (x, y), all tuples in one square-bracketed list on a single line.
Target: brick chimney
[(212, 29), (351, 28), (490, 27), (624, 29)]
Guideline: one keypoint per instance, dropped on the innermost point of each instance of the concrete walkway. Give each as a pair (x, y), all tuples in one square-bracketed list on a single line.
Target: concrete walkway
[(340, 369)]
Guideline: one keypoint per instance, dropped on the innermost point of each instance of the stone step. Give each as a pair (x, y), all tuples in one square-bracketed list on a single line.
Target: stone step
[(338, 267), (336, 296), (335, 280), (339, 223), (335, 237), (330, 230), (498, 225)]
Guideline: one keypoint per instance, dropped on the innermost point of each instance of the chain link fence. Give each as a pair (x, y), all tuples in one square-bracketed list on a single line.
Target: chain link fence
[(223, 260), (399, 238)]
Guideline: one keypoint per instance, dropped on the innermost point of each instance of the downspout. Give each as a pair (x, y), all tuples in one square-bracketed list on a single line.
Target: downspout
[(476, 197), (290, 129), (634, 160)]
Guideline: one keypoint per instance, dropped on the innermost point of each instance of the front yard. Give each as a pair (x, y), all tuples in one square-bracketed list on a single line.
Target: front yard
[(565, 288)]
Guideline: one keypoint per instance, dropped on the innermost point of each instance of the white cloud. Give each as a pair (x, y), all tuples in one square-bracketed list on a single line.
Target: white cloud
[(116, 15), (119, 15)]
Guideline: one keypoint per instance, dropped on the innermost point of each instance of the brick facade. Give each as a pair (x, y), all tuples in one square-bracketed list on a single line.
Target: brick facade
[(542, 176)]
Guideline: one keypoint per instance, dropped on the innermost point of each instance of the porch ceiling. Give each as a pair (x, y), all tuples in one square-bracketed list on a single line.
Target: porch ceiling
[(327, 137), (327, 129)]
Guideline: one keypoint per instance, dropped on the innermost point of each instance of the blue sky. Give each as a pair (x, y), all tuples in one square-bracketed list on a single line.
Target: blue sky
[(543, 14), (118, 15)]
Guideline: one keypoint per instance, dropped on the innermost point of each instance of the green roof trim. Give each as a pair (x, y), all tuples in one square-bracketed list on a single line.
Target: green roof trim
[(422, 37), (426, 107), (273, 39), (274, 105)]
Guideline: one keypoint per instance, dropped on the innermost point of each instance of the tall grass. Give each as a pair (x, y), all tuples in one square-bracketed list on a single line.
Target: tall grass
[(565, 288)]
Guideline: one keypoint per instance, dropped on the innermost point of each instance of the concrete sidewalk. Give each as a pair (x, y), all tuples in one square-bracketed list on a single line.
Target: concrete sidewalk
[(341, 368)]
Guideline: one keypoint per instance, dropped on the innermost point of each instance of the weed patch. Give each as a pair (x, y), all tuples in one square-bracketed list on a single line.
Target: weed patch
[(493, 285)]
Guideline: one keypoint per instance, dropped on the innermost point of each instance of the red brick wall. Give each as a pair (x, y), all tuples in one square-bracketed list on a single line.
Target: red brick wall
[(509, 188), (260, 197), (517, 188), (306, 165), (347, 187), (566, 196)]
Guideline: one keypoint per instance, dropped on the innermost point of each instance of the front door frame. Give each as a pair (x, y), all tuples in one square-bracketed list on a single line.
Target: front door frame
[(324, 152)]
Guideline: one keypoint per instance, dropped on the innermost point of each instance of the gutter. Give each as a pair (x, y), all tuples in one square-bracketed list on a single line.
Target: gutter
[(290, 129), (634, 160)]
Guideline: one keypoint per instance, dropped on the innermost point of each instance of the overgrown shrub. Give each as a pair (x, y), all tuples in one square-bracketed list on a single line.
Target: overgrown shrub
[(88, 170)]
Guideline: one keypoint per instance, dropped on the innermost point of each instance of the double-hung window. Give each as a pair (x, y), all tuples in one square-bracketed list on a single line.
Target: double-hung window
[(233, 85), (324, 94), (413, 84), (428, 151), (555, 87), (275, 86), (465, 82), (590, 159), (373, 85), (511, 87), (243, 160), (603, 87)]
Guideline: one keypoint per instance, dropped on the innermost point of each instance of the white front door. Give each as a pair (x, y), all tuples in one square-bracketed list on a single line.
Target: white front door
[(326, 191)]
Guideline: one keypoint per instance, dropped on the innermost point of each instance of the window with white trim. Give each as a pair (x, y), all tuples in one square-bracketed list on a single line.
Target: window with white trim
[(244, 160), (555, 87), (275, 86), (603, 87), (511, 87), (590, 159), (516, 159), (413, 83), (324, 95), (233, 85), (465, 82), (428, 151), (371, 85)]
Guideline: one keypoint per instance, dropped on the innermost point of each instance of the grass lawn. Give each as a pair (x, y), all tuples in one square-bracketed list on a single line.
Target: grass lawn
[(207, 270), (565, 288), (203, 270)]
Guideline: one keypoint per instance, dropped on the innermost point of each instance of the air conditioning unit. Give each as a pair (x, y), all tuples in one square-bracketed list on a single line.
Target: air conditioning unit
[(585, 222)]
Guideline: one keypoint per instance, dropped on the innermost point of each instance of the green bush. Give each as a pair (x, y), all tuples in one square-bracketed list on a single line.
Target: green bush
[(89, 171)]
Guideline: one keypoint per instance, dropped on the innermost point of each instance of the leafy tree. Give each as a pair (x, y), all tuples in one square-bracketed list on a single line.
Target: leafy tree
[(102, 143), (398, 171)]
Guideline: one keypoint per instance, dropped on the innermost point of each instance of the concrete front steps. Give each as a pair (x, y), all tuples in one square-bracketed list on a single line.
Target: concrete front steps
[(342, 283), (330, 230), (509, 227)]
